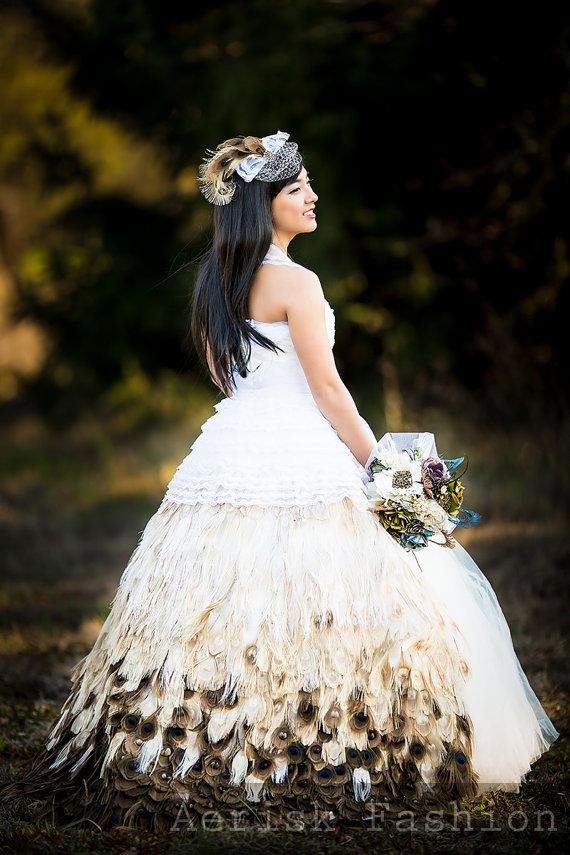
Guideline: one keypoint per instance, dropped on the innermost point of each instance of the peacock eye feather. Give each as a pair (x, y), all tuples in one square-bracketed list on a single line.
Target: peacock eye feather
[(130, 721), (417, 749)]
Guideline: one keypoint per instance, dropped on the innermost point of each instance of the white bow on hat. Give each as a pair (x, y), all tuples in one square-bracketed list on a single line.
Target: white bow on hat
[(249, 166)]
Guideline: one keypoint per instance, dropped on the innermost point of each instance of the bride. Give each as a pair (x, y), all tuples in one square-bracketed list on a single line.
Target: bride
[(271, 651)]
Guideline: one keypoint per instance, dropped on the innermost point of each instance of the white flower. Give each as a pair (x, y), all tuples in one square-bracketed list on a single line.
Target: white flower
[(429, 512), (399, 482)]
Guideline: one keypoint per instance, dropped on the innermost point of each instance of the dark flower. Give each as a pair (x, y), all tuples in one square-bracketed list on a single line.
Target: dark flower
[(434, 472)]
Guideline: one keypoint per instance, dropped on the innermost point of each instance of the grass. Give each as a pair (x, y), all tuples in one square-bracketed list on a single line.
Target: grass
[(71, 506)]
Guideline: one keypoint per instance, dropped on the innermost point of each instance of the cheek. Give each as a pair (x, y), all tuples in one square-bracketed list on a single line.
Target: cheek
[(287, 207)]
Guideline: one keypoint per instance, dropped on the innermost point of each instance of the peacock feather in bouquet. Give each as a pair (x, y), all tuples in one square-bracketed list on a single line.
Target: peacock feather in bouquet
[(416, 495)]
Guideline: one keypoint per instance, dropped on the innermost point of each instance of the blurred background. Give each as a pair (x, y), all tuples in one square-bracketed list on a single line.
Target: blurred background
[(437, 137)]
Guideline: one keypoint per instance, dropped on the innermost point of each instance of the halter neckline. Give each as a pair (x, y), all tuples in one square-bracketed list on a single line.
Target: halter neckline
[(286, 258), (279, 250)]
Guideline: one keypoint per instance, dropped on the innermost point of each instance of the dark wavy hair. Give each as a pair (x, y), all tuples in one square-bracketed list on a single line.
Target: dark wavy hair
[(241, 236)]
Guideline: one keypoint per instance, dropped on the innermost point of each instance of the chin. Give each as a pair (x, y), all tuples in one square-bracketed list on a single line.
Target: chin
[(309, 228)]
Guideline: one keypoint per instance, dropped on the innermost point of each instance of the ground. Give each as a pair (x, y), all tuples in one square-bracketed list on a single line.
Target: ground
[(71, 507)]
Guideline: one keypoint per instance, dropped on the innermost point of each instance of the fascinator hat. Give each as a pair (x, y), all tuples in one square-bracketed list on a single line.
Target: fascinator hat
[(268, 158)]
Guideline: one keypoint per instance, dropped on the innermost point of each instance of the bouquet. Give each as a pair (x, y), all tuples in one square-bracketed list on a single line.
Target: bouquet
[(417, 495)]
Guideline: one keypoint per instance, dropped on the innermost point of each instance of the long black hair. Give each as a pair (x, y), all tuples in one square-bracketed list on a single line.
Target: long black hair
[(241, 236)]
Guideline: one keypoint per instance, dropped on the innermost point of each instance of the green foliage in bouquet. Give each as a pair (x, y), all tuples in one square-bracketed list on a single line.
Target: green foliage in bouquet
[(450, 496), (394, 519)]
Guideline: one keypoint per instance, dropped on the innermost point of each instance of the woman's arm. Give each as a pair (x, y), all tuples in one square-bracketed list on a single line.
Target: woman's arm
[(304, 303)]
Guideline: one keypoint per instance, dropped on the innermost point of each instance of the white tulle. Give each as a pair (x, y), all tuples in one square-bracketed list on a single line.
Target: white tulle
[(501, 754), (511, 729)]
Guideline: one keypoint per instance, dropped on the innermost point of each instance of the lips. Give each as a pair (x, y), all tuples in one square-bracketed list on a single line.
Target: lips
[(309, 213)]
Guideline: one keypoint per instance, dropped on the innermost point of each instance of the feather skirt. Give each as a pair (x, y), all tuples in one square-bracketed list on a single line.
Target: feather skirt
[(282, 661)]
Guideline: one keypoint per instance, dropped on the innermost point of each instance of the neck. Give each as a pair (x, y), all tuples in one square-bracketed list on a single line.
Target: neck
[(281, 242)]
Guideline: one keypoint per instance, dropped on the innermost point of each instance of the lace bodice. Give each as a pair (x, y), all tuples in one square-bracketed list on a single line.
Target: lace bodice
[(281, 371)]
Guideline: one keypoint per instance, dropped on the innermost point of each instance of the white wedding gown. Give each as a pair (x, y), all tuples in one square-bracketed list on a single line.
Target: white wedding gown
[(271, 645)]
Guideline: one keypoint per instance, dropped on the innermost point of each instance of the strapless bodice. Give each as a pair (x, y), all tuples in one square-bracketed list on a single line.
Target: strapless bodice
[(279, 372)]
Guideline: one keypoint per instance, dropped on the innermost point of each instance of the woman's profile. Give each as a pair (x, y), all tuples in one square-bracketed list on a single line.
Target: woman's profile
[(271, 651)]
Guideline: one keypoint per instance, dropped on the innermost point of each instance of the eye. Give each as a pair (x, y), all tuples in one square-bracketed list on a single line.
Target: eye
[(298, 188)]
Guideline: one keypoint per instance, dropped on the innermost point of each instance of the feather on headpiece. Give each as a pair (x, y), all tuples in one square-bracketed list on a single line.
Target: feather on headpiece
[(267, 159)]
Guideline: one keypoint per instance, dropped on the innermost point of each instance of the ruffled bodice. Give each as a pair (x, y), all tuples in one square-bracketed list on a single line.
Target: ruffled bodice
[(269, 443)]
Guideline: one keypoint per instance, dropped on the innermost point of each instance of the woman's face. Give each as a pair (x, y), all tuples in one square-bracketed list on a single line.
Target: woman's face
[(291, 208)]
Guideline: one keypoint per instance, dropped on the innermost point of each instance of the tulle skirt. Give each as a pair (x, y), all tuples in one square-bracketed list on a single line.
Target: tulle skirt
[(281, 660)]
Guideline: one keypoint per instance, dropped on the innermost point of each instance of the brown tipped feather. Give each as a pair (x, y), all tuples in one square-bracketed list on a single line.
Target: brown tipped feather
[(216, 173)]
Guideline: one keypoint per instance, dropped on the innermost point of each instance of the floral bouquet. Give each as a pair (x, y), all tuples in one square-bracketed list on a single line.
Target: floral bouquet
[(416, 494)]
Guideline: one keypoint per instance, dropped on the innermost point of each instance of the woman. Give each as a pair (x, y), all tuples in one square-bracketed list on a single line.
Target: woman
[(271, 651)]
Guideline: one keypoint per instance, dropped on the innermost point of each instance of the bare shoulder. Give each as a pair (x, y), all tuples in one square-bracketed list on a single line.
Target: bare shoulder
[(301, 286), (279, 290), (287, 273), (303, 297)]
